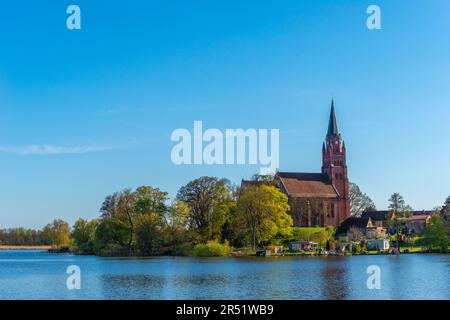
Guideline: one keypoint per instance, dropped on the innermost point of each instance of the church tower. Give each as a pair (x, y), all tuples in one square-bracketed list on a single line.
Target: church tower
[(334, 167)]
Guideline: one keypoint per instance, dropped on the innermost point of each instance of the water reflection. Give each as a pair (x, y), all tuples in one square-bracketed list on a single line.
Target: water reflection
[(335, 283), (132, 286), (31, 276), (200, 280), (137, 281)]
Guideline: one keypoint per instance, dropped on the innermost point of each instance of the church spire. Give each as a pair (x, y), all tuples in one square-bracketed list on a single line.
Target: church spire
[(333, 130)]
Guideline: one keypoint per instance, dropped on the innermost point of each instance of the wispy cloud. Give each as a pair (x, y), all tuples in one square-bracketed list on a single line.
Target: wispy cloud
[(51, 149), (165, 108)]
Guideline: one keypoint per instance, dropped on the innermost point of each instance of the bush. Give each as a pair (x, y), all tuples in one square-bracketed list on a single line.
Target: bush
[(356, 249), (436, 236), (182, 249), (364, 248), (212, 249)]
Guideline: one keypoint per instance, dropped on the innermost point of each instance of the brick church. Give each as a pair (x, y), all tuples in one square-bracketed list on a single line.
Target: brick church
[(320, 199)]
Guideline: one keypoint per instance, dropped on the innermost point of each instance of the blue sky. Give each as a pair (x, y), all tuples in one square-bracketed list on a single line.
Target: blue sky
[(88, 112)]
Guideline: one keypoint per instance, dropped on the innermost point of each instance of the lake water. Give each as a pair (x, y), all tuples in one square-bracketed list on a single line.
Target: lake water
[(39, 275)]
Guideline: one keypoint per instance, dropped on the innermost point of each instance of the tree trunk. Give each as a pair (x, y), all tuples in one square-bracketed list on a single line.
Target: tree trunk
[(130, 242), (254, 237), (309, 215)]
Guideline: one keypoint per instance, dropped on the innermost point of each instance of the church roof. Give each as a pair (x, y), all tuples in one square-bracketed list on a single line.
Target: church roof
[(307, 185), (333, 129)]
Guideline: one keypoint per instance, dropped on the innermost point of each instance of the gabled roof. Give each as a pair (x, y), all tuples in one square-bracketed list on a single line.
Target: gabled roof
[(376, 215), (307, 185), (354, 222)]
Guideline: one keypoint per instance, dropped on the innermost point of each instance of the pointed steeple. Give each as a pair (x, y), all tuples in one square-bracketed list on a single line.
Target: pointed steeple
[(333, 130)]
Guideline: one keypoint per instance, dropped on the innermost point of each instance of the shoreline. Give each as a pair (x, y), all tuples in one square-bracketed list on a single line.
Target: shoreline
[(9, 247), (281, 254)]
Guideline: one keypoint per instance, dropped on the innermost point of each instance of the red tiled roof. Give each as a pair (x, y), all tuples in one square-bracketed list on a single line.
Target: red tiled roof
[(419, 217), (307, 185)]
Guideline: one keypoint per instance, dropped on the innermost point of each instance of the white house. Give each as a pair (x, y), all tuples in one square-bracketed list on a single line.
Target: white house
[(378, 244)]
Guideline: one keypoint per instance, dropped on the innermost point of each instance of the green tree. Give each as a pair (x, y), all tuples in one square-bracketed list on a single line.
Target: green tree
[(127, 213), (128, 206), (262, 212), (150, 200), (109, 208), (149, 233), (111, 236), (436, 234), (397, 203), (232, 228), (398, 215), (58, 232), (176, 219), (83, 235), (209, 200), (359, 201), (445, 212), (121, 206)]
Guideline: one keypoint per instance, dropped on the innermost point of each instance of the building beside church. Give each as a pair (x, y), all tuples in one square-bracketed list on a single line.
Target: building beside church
[(415, 223), (320, 199)]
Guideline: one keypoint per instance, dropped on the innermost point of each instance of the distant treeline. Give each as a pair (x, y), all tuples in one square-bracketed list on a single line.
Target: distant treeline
[(55, 234), (24, 237)]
